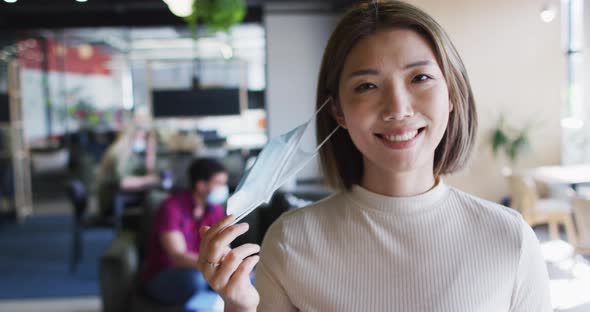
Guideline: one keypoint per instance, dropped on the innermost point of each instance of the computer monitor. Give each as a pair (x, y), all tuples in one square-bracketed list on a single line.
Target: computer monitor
[(4, 108), (196, 103)]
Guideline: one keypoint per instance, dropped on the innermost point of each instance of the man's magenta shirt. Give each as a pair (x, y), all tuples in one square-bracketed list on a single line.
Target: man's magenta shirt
[(176, 214)]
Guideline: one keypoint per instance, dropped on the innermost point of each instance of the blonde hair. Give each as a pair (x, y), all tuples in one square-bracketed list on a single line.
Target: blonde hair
[(341, 161), (115, 157)]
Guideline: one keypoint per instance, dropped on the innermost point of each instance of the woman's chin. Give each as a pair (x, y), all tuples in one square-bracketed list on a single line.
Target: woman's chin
[(405, 163)]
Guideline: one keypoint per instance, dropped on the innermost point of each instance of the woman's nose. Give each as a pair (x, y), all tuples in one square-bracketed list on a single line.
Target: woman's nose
[(396, 104)]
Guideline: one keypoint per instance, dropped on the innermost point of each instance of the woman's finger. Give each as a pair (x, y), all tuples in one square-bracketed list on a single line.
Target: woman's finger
[(204, 230), (230, 263), (208, 267), (229, 234), (217, 244), (220, 225), (244, 270)]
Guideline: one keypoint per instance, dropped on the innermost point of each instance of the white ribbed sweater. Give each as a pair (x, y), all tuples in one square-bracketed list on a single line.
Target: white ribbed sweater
[(443, 250)]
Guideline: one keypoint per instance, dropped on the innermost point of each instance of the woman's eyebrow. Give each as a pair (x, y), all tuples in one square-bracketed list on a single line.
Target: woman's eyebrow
[(372, 71), (418, 63), (364, 72)]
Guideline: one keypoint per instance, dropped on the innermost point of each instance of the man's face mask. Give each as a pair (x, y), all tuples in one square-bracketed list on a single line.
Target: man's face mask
[(218, 195), (278, 161)]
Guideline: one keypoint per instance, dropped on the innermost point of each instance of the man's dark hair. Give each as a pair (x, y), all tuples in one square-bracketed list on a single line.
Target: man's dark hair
[(203, 169)]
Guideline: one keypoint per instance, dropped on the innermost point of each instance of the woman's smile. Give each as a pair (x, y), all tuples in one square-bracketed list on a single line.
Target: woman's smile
[(400, 139)]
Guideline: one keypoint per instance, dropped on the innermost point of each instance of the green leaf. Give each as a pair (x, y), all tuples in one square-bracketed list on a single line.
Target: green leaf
[(511, 151), (217, 15), (519, 145), (499, 139)]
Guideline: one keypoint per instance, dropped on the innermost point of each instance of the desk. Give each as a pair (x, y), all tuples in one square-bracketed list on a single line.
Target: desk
[(572, 175)]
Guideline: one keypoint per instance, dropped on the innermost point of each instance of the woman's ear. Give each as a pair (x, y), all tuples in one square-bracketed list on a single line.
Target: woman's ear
[(451, 106), (337, 114)]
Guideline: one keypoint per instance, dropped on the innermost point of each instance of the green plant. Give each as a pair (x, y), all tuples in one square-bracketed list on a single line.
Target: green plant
[(216, 15), (513, 141)]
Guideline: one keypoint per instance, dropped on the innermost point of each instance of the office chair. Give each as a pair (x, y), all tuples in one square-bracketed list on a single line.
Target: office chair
[(78, 196)]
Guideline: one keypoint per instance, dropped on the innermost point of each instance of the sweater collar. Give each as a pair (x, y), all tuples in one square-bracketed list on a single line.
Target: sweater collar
[(399, 205)]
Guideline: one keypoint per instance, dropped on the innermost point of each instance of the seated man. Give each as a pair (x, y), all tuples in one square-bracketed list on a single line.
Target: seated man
[(170, 274)]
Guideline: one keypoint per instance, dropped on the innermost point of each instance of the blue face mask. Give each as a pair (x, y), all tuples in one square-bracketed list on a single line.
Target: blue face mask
[(278, 161), (218, 195), (138, 146)]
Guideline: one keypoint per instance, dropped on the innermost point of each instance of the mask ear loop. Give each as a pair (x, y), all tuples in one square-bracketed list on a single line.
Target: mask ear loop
[(328, 137), (333, 131), (322, 106)]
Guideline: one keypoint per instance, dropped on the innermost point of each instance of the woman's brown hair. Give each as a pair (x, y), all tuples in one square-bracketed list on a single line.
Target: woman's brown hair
[(341, 161)]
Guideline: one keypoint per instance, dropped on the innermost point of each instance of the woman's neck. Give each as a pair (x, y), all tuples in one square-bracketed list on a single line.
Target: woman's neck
[(398, 184)]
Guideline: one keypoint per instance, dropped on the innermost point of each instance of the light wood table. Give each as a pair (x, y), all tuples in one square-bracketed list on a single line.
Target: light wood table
[(572, 175)]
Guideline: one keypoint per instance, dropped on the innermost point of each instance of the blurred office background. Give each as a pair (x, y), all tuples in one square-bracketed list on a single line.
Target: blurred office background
[(74, 74)]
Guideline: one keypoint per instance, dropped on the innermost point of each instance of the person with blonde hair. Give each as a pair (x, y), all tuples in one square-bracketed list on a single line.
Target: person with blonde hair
[(394, 237), (127, 169)]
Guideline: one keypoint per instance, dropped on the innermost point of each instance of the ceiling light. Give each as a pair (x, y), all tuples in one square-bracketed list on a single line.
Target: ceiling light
[(547, 14), (10, 1), (180, 8), (81, 0)]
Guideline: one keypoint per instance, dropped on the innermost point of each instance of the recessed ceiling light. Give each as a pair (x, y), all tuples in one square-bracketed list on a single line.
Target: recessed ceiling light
[(180, 8), (10, 1), (547, 14), (81, 0)]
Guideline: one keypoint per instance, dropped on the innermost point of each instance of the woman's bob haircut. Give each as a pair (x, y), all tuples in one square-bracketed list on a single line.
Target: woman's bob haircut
[(341, 161)]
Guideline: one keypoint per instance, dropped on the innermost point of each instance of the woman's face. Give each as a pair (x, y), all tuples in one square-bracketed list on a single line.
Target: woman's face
[(140, 134), (394, 101)]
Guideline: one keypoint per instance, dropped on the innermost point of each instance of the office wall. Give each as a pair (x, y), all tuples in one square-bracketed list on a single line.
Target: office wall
[(514, 61), (295, 43), (517, 67)]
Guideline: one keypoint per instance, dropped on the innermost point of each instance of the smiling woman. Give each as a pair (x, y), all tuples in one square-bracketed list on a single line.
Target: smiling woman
[(396, 111), (395, 237), (428, 65)]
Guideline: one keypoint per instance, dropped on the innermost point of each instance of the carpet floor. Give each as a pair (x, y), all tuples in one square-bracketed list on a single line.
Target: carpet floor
[(34, 259)]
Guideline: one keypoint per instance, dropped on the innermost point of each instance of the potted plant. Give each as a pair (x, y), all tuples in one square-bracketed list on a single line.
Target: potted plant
[(216, 15), (512, 141)]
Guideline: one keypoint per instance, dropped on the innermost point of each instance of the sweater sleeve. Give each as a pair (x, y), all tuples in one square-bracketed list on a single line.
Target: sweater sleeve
[(270, 273), (531, 286)]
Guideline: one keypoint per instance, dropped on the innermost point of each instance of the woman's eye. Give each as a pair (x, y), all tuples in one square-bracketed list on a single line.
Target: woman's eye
[(420, 78), (364, 87)]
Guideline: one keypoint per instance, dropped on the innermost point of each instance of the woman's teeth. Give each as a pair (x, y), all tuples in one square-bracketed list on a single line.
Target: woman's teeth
[(402, 137)]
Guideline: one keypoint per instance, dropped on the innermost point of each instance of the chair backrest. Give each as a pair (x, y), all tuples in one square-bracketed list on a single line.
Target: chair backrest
[(234, 163), (524, 194), (78, 196)]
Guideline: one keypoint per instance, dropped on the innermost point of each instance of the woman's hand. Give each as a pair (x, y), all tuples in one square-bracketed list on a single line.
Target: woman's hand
[(228, 270)]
